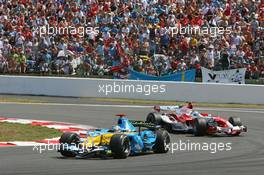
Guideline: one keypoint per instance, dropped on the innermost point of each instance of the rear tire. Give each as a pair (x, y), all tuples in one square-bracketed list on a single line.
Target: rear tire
[(200, 127), (68, 138), (162, 141), (120, 146), (235, 121), (154, 118)]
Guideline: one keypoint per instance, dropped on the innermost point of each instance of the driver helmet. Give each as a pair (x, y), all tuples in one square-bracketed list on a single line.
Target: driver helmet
[(195, 114), (190, 106), (116, 128)]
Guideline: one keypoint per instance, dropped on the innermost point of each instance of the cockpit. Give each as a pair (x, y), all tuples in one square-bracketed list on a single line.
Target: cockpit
[(195, 114)]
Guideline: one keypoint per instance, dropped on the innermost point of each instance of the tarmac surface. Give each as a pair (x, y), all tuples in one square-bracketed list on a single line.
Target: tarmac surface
[(245, 157)]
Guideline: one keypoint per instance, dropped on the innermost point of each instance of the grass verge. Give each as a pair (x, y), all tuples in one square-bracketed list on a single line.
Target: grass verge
[(20, 100), (153, 102), (131, 102), (25, 132)]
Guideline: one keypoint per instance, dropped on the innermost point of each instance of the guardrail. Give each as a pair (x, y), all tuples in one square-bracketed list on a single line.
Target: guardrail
[(147, 90)]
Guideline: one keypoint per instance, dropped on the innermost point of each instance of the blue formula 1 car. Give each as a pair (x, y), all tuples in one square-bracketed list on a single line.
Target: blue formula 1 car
[(125, 139)]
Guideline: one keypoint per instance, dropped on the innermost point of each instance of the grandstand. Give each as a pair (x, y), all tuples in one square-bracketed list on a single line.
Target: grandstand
[(109, 38)]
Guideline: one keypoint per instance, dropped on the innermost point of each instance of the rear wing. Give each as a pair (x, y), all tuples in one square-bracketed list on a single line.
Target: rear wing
[(137, 123)]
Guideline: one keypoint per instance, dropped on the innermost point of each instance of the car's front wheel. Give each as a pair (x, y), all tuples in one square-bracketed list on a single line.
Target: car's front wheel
[(154, 118), (120, 146), (199, 127), (168, 127), (67, 139), (235, 121)]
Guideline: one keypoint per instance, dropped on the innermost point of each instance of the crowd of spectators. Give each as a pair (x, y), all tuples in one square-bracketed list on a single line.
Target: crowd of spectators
[(129, 34)]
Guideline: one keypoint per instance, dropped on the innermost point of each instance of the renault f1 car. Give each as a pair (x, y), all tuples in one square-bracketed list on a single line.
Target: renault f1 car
[(124, 139), (185, 119)]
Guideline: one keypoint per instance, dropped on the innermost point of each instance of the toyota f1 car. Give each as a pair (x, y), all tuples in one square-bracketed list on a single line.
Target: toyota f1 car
[(124, 139), (185, 119)]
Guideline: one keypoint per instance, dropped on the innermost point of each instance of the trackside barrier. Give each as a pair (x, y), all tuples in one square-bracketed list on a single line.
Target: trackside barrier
[(132, 89)]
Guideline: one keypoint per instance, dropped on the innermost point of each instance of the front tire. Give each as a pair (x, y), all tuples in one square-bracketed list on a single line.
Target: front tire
[(235, 121), (168, 127), (200, 127), (120, 146), (66, 139), (154, 118), (162, 141)]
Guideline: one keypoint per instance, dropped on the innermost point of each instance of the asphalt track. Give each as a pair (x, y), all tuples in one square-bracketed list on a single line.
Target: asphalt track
[(246, 156)]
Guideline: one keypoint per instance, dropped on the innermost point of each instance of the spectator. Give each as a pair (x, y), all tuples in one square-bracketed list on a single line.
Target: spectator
[(253, 70), (182, 65), (261, 69), (3, 64), (119, 32), (225, 61), (211, 57)]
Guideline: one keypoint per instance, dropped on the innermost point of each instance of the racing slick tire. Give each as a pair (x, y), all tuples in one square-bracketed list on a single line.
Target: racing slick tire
[(68, 138), (120, 146), (154, 118), (235, 121), (168, 127), (200, 127), (162, 141)]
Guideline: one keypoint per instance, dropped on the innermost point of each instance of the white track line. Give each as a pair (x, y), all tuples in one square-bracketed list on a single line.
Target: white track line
[(240, 110)]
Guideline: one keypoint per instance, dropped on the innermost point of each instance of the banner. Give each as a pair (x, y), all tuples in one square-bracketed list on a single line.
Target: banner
[(232, 76), (180, 76)]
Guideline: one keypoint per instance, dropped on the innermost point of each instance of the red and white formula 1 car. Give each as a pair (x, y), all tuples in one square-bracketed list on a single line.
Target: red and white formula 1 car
[(185, 119)]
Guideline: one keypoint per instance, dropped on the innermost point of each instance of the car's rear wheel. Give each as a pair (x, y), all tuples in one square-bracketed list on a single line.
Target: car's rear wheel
[(154, 118), (162, 141), (235, 121), (66, 139), (200, 127), (120, 146)]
